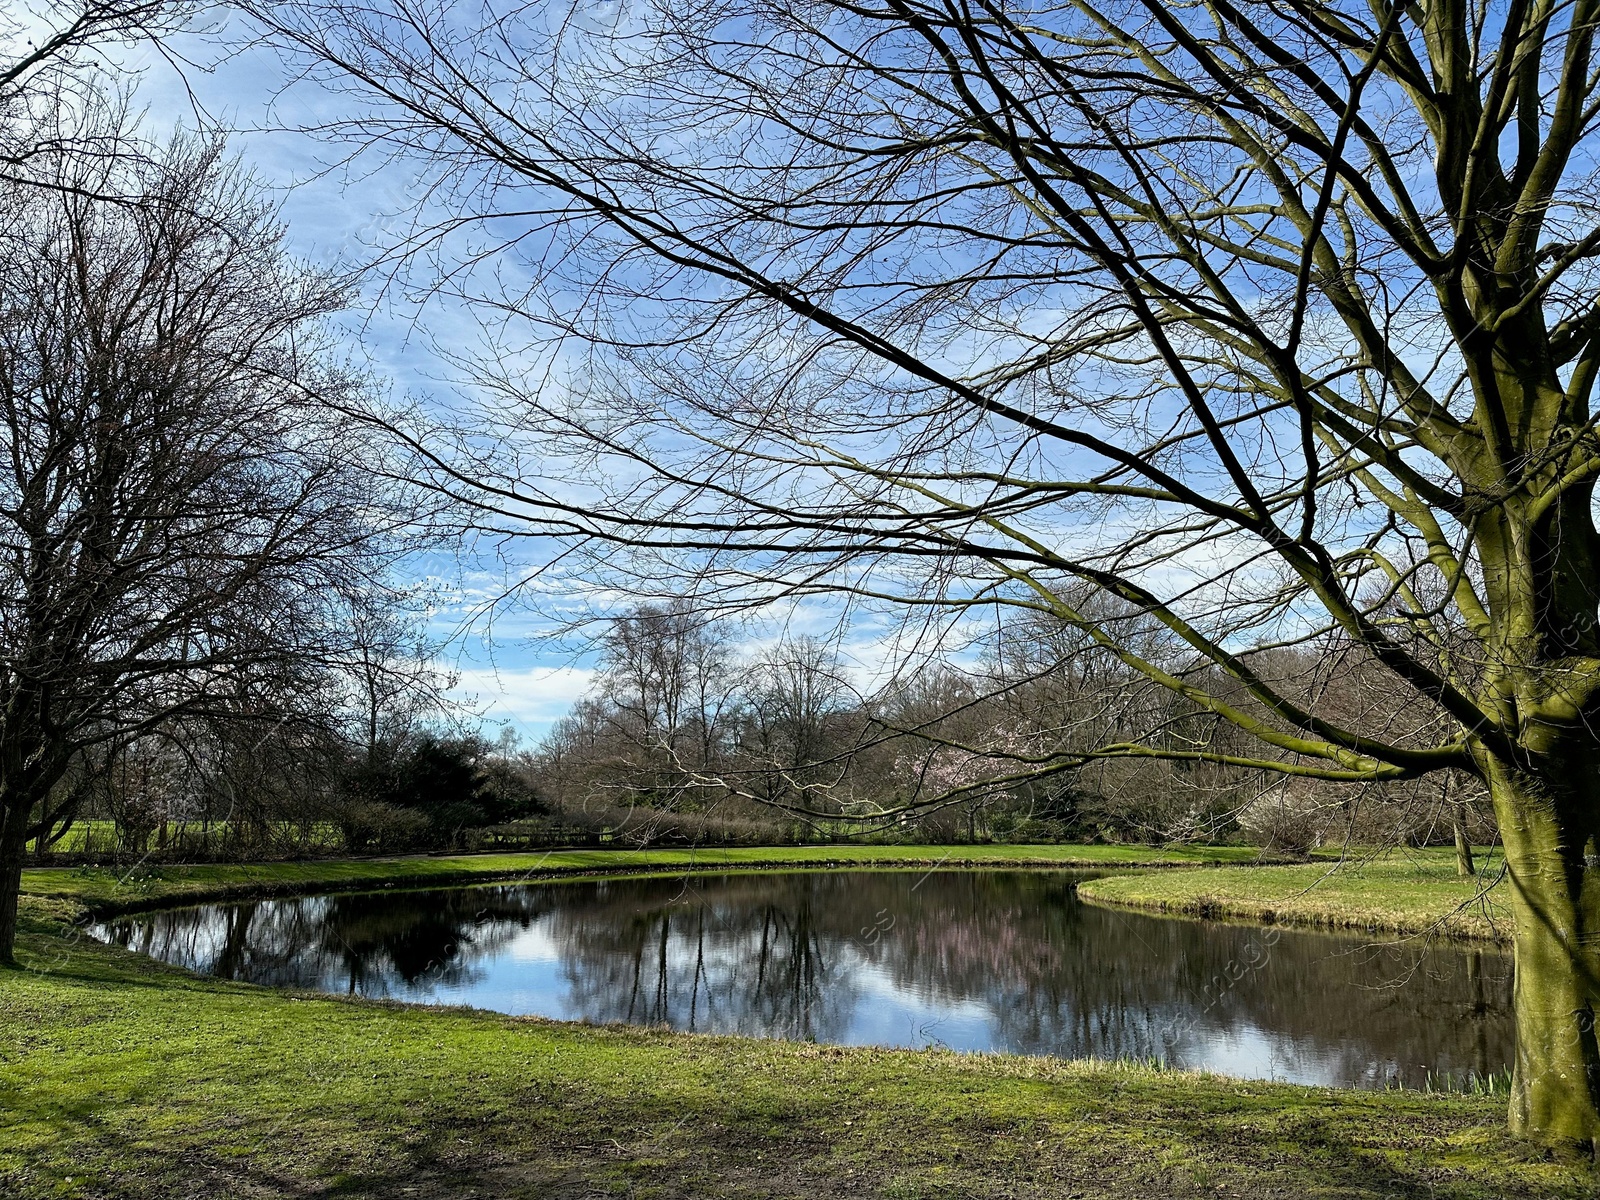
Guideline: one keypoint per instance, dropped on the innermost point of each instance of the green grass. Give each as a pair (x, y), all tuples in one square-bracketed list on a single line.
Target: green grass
[(106, 889), (86, 832), (121, 1077), (99, 836), (1402, 891)]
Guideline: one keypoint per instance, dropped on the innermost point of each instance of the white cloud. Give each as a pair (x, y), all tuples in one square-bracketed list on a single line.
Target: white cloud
[(530, 699)]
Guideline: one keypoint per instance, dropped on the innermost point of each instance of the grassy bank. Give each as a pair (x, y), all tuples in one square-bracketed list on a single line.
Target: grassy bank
[(1405, 892), (120, 1077), (106, 889)]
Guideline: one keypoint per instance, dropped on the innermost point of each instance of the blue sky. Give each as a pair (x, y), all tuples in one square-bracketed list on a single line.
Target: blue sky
[(513, 666), (511, 670)]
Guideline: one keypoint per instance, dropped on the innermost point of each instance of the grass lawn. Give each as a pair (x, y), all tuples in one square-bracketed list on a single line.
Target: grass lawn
[(121, 889), (1402, 891), (121, 1077)]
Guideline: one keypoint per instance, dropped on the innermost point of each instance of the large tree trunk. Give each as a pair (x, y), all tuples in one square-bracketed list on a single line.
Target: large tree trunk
[(22, 791), (13, 848), (1546, 822)]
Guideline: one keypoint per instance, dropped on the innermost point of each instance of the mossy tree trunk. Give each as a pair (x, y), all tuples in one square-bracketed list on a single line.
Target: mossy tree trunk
[(1526, 466), (1539, 685), (1465, 867), (1548, 828)]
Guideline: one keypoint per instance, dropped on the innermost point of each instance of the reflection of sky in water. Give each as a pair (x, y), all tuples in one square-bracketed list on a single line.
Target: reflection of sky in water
[(975, 966), (527, 977)]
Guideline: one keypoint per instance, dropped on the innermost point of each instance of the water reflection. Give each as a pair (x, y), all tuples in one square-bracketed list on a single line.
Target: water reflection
[(972, 960)]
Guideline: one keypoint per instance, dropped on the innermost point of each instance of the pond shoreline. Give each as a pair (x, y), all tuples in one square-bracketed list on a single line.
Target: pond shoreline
[(107, 892), (1403, 900), (123, 1076), (1418, 897)]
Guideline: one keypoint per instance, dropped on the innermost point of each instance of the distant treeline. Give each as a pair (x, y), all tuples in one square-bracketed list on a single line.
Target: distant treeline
[(684, 740), (1008, 741)]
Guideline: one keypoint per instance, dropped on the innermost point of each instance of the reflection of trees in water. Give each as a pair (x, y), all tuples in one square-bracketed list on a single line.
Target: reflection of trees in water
[(791, 955), (374, 944), (729, 957), (1058, 977), (1065, 978)]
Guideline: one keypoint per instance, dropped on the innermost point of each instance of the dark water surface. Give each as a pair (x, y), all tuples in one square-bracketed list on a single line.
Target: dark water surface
[(970, 960)]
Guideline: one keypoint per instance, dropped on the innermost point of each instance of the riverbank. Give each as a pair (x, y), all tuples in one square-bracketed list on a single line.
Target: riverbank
[(121, 1077), (1401, 892), (105, 890)]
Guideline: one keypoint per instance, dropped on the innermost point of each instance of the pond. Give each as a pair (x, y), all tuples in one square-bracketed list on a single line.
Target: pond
[(995, 960)]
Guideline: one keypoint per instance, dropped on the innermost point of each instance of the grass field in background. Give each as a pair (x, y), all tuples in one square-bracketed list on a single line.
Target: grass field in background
[(1401, 891), (99, 836)]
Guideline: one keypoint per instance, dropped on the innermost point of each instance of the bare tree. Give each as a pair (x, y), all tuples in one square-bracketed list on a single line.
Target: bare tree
[(790, 694), (667, 685), (55, 72), (185, 517), (395, 689), (1266, 319)]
